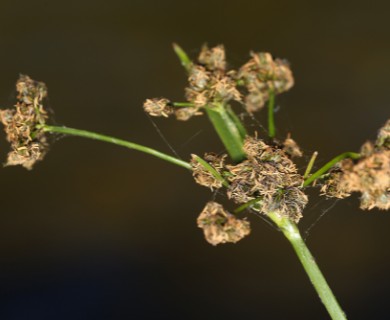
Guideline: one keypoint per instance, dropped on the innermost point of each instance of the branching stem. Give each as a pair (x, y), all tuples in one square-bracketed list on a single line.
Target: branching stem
[(330, 164), (109, 139)]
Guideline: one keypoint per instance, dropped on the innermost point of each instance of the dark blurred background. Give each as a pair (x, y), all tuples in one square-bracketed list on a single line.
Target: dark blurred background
[(96, 231)]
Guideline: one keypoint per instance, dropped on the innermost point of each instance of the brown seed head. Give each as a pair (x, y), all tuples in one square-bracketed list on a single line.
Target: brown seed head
[(158, 107), (268, 175), (383, 140), (214, 58), (184, 114), (219, 226), (28, 144), (371, 177), (261, 74), (291, 148)]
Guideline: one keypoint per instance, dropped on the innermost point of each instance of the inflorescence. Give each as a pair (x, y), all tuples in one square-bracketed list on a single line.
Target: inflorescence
[(28, 142), (370, 175), (266, 180), (212, 85)]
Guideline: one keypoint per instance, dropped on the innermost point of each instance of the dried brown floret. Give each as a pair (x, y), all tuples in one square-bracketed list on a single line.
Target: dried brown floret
[(371, 177), (214, 58), (219, 226), (255, 101), (288, 202), (291, 148), (383, 140), (158, 107), (262, 74), (28, 143), (198, 77), (269, 175), (331, 187), (203, 176), (225, 89), (183, 114)]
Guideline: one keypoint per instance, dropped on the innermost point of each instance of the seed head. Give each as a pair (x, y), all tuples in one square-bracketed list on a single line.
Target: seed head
[(219, 226), (28, 143), (370, 175), (183, 114), (261, 74), (270, 176), (158, 107), (383, 140), (291, 148), (214, 58)]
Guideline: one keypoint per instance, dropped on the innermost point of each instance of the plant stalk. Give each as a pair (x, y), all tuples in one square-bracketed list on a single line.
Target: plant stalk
[(330, 164), (228, 131), (291, 232), (119, 142), (271, 117)]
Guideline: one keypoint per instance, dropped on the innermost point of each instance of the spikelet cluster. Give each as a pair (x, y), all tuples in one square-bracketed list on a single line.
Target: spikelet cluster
[(211, 84), (28, 144)]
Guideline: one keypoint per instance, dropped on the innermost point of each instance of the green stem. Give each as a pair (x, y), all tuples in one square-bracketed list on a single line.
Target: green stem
[(310, 165), (291, 232), (183, 104), (247, 205), (227, 131), (330, 164), (123, 143), (212, 170), (240, 127), (271, 120), (183, 57)]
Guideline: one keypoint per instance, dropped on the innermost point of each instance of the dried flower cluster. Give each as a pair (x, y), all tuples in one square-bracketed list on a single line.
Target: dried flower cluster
[(291, 148), (261, 75), (211, 85), (219, 226), (370, 175), (268, 175), (28, 144)]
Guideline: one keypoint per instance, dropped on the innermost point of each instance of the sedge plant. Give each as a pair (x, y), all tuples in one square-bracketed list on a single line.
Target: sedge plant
[(257, 173)]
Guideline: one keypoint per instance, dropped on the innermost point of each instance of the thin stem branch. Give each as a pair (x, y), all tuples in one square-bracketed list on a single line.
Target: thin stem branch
[(310, 164), (183, 57), (247, 205), (330, 164), (183, 104), (271, 111), (291, 232), (109, 139)]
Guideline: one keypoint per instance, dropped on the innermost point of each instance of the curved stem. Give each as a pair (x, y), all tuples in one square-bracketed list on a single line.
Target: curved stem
[(123, 143), (271, 120), (330, 164), (291, 232)]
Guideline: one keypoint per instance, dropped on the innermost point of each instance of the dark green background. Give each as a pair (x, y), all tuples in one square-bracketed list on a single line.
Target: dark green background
[(100, 232)]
